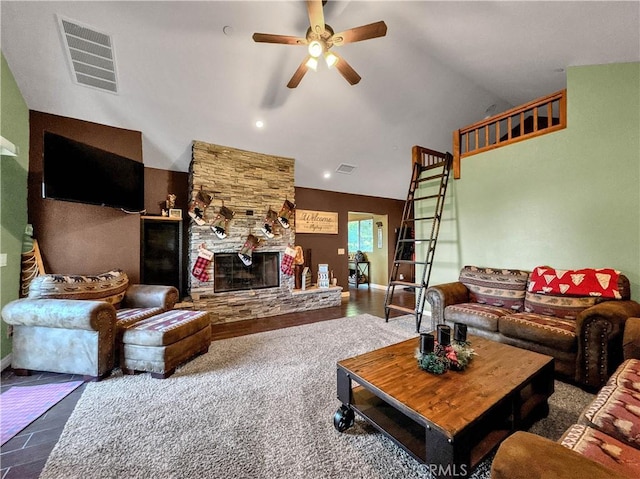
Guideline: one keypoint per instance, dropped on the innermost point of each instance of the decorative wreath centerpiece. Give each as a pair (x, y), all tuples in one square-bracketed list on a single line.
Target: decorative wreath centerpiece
[(455, 356)]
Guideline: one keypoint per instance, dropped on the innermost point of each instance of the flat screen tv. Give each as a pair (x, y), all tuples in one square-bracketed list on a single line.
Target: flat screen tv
[(74, 171)]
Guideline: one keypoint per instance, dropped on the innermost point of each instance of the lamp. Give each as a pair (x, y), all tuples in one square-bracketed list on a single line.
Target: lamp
[(315, 48), (331, 59), (7, 148), (312, 63)]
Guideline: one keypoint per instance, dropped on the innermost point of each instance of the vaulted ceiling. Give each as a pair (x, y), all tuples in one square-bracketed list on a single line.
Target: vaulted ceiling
[(191, 71)]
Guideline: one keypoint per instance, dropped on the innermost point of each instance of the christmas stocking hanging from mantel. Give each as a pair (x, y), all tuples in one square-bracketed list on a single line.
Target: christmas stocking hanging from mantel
[(287, 210), (220, 224), (198, 205), (287, 261), (202, 264), (269, 220), (246, 252)]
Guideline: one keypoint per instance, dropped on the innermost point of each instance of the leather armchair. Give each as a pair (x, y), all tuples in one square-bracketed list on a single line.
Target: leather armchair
[(55, 329)]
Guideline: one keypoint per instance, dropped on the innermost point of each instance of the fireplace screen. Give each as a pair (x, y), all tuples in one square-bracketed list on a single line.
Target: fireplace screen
[(230, 273)]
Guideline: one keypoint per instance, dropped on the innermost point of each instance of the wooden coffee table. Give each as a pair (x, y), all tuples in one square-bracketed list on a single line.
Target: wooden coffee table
[(449, 422)]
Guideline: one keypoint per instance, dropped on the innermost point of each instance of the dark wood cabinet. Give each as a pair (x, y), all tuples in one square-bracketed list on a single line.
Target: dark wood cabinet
[(161, 251)]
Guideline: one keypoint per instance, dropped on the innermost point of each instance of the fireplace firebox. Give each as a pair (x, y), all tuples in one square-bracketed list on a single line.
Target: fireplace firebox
[(230, 273)]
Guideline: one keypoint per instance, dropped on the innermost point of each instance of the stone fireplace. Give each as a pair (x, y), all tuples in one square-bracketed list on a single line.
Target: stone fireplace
[(249, 184)]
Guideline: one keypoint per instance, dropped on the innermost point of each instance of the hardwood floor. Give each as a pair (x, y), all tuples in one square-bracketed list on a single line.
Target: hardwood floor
[(24, 456)]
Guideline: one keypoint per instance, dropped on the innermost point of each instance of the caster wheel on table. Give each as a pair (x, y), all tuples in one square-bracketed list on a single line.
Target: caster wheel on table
[(343, 419)]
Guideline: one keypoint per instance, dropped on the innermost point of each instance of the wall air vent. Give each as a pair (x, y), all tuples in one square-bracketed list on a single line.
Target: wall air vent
[(345, 169), (90, 54)]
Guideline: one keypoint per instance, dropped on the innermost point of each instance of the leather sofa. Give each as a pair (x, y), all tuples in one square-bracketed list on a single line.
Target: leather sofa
[(74, 324), (603, 443), (544, 311)]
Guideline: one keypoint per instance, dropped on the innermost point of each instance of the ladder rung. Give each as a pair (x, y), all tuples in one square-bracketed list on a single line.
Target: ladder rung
[(401, 308), (413, 240), (408, 220), (430, 197), (405, 283), (429, 178), (408, 261)]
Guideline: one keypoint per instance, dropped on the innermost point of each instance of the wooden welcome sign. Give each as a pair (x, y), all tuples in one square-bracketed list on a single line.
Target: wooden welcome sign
[(324, 222)]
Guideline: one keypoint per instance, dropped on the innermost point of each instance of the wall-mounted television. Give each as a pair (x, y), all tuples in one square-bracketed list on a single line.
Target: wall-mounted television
[(74, 171)]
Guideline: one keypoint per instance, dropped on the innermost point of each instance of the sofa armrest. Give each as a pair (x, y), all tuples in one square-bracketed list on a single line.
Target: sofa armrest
[(524, 455), (442, 295), (60, 313), (150, 296), (599, 331), (631, 339)]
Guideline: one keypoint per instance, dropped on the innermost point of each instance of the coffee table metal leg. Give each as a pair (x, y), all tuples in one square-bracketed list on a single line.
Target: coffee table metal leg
[(344, 417)]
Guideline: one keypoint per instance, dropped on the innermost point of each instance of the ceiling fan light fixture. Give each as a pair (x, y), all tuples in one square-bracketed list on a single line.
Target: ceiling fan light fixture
[(315, 48), (312, 63), (331, 59)]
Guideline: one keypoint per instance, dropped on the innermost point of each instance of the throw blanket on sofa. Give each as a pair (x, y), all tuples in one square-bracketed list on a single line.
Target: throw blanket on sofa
[(602, 282)]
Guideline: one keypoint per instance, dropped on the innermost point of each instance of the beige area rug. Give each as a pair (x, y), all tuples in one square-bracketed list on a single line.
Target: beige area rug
[(257, 406)]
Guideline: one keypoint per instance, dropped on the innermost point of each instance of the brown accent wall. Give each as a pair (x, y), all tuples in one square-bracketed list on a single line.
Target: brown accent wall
[(88, 239), (324, 247)]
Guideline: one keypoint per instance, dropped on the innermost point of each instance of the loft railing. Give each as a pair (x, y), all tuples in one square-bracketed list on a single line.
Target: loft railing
[(425, 157), (538, 117)]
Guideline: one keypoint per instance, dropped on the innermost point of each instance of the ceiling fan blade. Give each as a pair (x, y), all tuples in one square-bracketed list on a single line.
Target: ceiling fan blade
[(346, 71), (357, 34), (297, 76), (285, 39), (316, 16)]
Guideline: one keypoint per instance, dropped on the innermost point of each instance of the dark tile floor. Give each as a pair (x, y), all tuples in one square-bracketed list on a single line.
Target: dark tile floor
[(24, 456)]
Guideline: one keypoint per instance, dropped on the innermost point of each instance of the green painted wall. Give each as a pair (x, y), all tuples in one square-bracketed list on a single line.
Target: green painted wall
[(569, 199), (14, 126)]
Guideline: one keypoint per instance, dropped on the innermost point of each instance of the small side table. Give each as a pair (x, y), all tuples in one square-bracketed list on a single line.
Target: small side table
[(359, 268)]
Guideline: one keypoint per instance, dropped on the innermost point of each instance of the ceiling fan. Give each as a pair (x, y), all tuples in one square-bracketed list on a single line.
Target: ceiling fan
[(320, 38)]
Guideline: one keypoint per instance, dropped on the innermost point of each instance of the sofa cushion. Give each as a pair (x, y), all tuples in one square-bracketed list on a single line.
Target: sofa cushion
[(560, 306), (504, 288), (627, 375), (601, 282), (474, 315), (615, 411), (603, 449), (552, 332), (109, 287)]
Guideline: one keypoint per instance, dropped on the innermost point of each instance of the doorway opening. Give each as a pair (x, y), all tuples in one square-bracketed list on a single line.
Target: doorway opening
[(368, 233)]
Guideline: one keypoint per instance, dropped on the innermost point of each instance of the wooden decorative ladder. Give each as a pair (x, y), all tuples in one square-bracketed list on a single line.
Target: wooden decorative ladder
[(431, 170)]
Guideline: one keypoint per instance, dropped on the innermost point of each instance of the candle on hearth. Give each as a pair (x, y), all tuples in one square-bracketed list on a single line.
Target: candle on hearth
[(460, 332), (444, 335), (426, 343)]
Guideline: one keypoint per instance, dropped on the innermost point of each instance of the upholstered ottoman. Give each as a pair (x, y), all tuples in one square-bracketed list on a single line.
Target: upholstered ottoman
[(161, 343)]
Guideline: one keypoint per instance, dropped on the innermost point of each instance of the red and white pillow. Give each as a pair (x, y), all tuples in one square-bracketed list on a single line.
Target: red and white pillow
[(600, 282)]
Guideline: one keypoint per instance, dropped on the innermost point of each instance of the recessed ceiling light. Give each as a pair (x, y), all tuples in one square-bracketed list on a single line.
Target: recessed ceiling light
[(327, 174), (227, 30), (259, 124)]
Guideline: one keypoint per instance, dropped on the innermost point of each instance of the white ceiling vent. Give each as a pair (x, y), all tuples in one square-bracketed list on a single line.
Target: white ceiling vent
[(345, 169), (90, 54)]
